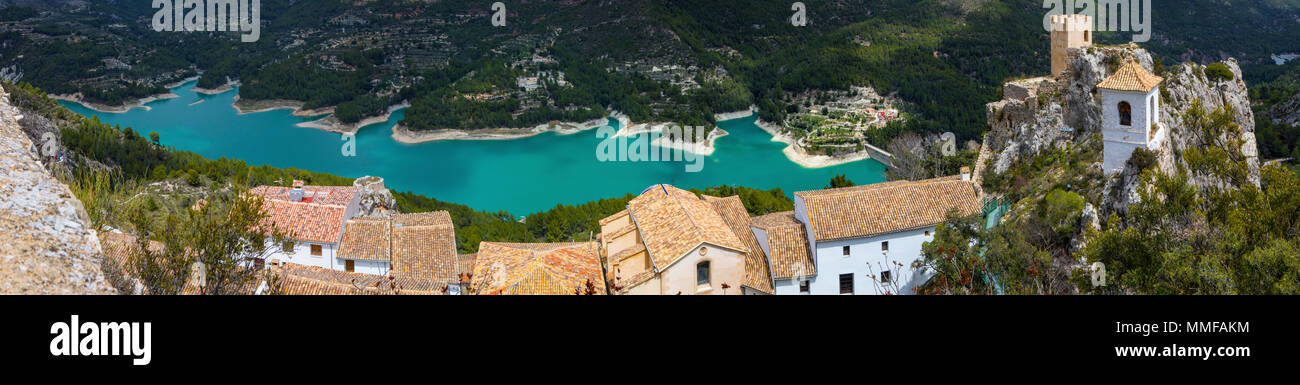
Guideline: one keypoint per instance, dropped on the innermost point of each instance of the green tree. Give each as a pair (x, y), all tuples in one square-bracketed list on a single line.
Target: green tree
[(840, 181), (222, 240)]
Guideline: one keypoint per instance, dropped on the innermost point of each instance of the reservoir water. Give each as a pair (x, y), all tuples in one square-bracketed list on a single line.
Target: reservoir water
[(521, 176)]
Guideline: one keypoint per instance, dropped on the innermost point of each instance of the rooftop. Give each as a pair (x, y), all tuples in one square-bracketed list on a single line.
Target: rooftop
[(1131, 77), (537, 268), (319, 219), (366, 239), (758, 276), (787, 241), (424, 245), (673, 222), (864, 211)]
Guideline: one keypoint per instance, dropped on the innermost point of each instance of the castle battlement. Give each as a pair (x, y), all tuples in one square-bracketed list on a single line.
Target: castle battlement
[(1071, 23), (1068, 31)]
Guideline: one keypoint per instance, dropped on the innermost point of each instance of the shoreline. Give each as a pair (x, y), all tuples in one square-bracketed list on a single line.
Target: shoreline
[(224, 88), (704, 148), (797, 154), (127, 106), (407, 136), (332, 124)]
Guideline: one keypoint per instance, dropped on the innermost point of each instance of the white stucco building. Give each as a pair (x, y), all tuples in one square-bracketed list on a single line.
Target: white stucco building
[(1130, 108), (670, 241), (325, 232), (313, 219), (863, 239)]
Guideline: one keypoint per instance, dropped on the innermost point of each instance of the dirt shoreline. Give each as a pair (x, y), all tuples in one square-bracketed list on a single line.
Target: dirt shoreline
[(138, 103), (332, 124), (405, 135)]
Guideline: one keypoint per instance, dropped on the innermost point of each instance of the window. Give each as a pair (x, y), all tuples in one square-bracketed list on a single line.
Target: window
[(885, 276), (315, 250), (702, 274), (1087, 36), (803, 286), (846, 283), (884, 246), (349, 266), (846, 250), (1125, 114)]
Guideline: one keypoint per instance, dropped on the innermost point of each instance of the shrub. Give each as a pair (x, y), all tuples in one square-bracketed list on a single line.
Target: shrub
[(1218, 72), (1142, 159)]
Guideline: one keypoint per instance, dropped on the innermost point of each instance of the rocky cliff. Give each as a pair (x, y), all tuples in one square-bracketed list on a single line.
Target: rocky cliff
[(1055, 113), (46, 242)]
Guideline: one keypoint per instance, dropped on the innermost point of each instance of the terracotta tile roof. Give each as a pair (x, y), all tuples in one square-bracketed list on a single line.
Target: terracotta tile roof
[(321, 195), (465, 263), (673, 222), (426, 249), (1131, 77), (636, 248), (366, 239), (758, 274), (320, 220), (310, 280), (864, 211), (788, 242), (432, 218), (536, 268)]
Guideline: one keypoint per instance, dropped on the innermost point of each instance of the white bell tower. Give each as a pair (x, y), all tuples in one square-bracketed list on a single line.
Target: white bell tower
[(1130, 108)]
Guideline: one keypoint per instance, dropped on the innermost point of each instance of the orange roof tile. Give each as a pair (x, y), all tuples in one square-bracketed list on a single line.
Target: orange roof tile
[(320, 220), (758, 274), (366, 239), (426, 248), (787, 240), (297, 279), (863, 211), (537, 268), (673, 222), (1131, 77)]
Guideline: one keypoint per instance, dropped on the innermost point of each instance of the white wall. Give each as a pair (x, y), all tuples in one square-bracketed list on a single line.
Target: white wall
[(301, 255), (364, 266), (1119, 140), (864, 260)]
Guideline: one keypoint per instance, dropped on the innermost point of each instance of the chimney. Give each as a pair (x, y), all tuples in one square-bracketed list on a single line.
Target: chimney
[(295, 195), (965, 173)]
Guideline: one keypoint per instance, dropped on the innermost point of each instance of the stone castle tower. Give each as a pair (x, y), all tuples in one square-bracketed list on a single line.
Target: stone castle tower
[(1068, 31)]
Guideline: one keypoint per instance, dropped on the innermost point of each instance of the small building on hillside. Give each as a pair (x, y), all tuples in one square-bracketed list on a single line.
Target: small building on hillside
[(1130, 115), (785, 242), (538, 269), (312, 217), (863, 239), (419, 245), (670, 241)]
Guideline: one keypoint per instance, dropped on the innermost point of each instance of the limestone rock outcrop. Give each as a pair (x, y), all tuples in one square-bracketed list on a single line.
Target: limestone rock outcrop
[(375, 199), (46, 243), (1044, 113)]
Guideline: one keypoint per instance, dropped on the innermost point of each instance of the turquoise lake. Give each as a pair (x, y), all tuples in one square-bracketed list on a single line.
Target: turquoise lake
[(521, 176)]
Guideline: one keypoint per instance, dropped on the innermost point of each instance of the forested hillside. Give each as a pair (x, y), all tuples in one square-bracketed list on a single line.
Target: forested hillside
[(666, 60)]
